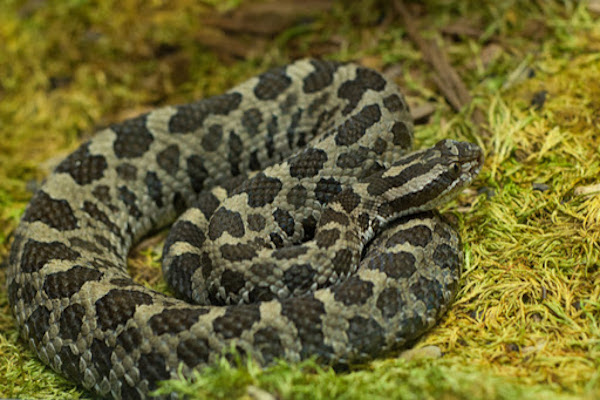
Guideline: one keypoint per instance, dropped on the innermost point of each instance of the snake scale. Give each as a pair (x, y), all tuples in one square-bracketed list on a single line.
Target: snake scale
[(308, 232)]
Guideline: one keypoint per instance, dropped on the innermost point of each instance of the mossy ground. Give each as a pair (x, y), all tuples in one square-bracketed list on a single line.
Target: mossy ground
[(526, 321)]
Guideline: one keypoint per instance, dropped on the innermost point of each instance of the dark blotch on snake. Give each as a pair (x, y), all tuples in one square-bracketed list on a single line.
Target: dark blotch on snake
[(355, 127), (190, 117), (348, 199), (26, 293), (326, 238), (290, 101), (238, 252), (402, 133), (232, 281), (321, 77), (71, 320), (269, 344), (236, 148), (308, 163), (193, 351), (353, 90), (64, 284), (326, 189), (83, 167), (102, 193), (446, 257), (289, 253), (130, 338), (133, 137), (251, 120), (118, 306), (317, 104), (285, 221), (101, 357), (38, 323), (168, 159), (256, 222), (309, 225), (366, 336), (272, 83), (343, 262), (154, 187), (261, 190), (179, 203), (184, 231), (85, 245), (212, 138), (352, 159), (207, 203), (353, 291), (197, 172), (37, 254), (93, 211), (305, 313), (272, 130), (419, 235), (331, 215), (56, 213), (297, 196), (430, 294), (254, 164), (394, 103), (299, 277), (180, 272), (390, 301), (153, 367), (70, 363), (226, 221), (395, 265), (127, 171), (175, 320), (236, 320), (129, 198), (363, 221)]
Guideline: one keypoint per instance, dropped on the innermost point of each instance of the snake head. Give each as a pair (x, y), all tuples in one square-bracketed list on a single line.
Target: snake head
[(425, 179)]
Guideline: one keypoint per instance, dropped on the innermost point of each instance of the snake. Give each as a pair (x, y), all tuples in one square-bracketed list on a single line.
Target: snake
[(303, 225)]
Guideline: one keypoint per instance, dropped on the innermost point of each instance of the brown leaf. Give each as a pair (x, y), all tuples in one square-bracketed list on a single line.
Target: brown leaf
[(594, 6), (229, 47), (490, 53), (267, 18), (463, 27), (535, 28), (421, 113)]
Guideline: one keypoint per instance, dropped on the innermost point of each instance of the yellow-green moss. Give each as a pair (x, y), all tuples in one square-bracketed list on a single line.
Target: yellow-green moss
[(525, 323)]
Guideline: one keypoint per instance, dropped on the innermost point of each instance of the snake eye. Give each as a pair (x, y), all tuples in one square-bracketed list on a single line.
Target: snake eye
[(455, 168)]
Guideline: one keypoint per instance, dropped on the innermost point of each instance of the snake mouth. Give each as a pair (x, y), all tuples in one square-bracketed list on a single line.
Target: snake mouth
[(480, 159), (473, 158)]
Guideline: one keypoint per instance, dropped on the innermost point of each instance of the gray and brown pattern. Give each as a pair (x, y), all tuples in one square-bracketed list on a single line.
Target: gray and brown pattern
[(285, 179)]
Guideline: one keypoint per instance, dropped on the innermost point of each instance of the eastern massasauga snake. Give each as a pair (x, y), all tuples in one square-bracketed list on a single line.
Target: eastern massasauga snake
[(308, 232)]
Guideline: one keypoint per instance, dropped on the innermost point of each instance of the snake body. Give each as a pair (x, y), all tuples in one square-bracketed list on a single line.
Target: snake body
[(285, 178)]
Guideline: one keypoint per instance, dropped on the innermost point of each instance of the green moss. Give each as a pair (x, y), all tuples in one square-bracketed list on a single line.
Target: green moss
[(396, 379), (525, 323)]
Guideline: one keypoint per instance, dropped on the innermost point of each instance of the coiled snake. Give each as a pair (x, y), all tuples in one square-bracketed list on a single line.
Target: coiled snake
[(286, 178)]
